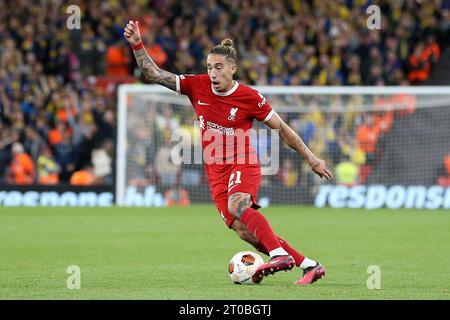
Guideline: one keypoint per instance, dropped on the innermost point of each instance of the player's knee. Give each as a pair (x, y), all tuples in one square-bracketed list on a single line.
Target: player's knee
[(238, 203)]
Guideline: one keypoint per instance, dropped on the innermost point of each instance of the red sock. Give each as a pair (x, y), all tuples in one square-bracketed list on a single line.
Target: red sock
[(286, 246), (260, 227), (259, 247), (294, 253)]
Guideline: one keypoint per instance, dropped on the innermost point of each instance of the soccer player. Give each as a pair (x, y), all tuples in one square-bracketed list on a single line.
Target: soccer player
[(226, 109)]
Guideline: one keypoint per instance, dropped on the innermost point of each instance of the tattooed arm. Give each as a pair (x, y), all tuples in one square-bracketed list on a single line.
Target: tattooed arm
[(293, 140), (148, 67), (153, 72)]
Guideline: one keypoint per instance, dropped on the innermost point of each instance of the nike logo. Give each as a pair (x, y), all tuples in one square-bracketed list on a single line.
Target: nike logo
[(232, 187), (202, 103)]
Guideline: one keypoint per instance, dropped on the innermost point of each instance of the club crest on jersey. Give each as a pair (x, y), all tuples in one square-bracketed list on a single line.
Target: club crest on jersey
[(232, 116), (263, 101)]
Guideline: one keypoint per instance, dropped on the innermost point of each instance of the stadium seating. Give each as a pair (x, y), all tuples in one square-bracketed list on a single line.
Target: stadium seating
[(57, 86)]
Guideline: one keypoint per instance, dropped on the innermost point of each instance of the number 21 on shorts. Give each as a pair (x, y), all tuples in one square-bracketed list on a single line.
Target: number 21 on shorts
[(235, 179)]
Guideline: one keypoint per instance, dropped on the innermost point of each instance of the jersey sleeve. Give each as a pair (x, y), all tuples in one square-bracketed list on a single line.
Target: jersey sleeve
[(185, 84), (262, 110)]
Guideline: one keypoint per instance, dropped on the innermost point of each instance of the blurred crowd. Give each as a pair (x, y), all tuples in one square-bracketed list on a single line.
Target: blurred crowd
[(56, 125), (57, 85), (349, 132), (296, 42)]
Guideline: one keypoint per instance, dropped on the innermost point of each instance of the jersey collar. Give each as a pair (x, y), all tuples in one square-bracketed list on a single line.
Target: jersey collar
[(224, 94)]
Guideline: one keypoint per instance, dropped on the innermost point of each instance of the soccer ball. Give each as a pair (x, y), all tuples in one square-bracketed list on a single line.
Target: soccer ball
[(242, 267)]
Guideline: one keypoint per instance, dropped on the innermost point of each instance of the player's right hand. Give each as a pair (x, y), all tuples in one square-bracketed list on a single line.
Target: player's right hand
[(132, 33), (319, 167)]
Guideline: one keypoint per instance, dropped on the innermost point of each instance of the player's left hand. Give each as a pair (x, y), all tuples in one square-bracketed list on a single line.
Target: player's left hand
[(319, 167)]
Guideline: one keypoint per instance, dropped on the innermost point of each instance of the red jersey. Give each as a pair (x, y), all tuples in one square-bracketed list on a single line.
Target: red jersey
[(225, 119)]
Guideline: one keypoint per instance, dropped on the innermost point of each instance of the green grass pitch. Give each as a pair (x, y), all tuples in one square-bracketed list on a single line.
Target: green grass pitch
[(183, 253)]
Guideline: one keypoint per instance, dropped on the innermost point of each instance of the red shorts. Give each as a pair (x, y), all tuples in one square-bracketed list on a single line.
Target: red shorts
[(224, 180)]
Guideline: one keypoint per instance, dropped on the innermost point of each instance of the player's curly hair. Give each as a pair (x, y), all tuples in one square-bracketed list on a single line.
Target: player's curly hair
[(226, 48)]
